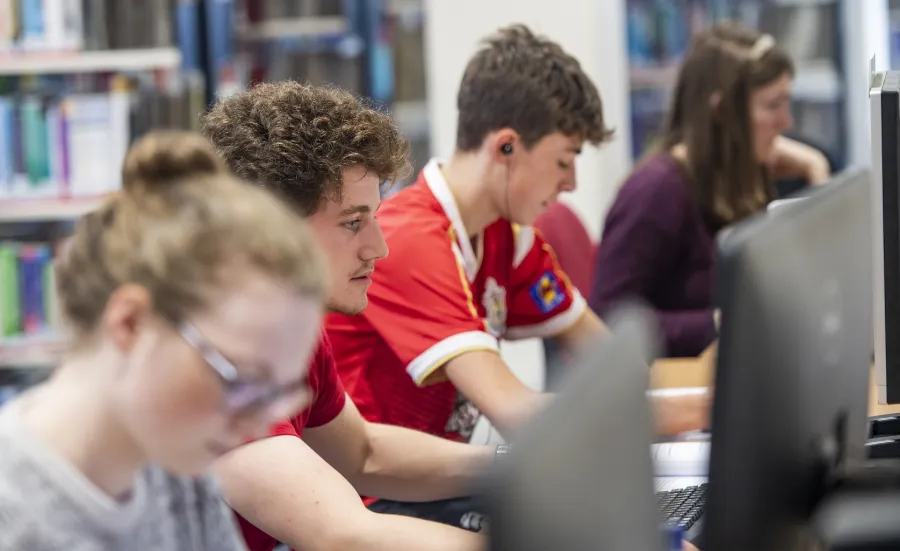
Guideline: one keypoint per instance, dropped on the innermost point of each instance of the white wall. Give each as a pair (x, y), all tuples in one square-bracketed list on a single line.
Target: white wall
[(591, 30)]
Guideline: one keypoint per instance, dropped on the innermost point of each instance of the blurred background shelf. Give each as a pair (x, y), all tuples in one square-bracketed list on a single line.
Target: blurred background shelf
[(33, 352), (299, 27), (46, 210), (812, 82), (412, 118), (811, 31), (43, 63), (374, 48)]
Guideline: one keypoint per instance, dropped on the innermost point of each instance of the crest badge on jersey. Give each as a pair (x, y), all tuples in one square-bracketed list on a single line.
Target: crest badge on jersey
[(464, 417), (494, 302), (547, 293)]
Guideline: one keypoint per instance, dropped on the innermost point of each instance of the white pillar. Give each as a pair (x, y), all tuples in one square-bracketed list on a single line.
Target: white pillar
[(591, 30), (866, 34)]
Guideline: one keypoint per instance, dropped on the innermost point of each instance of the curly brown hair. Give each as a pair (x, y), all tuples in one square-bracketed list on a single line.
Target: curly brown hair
[(528, 83), (149, 234), (296, 139)]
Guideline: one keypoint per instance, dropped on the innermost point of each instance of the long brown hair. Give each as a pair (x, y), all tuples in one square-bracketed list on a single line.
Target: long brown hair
[(710, 115)]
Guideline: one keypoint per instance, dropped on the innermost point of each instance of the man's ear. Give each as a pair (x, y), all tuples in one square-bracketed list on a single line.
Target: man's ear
[(502, 144), (127, 308)]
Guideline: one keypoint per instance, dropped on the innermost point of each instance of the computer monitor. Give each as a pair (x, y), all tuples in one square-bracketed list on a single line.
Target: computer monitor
[(795, 290), (884, 99), (580, 475)]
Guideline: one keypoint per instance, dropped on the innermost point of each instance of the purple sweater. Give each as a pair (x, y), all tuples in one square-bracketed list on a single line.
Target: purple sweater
[(656, 247)]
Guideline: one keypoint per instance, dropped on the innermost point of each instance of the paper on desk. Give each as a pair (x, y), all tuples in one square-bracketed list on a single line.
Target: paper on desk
[(681, 391), (681, 458)]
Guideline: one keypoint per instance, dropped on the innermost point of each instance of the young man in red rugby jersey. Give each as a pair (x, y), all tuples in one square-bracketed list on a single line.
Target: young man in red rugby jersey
[(467, 269), (326, 154)]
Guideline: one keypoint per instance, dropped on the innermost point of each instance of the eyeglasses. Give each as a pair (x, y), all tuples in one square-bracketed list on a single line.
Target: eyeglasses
[(246, 397)]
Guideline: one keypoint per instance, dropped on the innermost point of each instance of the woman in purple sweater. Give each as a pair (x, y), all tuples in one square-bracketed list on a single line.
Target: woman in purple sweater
[(720, 151)]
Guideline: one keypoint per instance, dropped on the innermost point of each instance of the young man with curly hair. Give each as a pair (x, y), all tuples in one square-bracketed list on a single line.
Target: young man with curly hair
[(326, 154), (467, 269)]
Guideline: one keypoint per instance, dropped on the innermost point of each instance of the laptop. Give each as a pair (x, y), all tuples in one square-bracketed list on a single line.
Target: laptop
[(580, 476)]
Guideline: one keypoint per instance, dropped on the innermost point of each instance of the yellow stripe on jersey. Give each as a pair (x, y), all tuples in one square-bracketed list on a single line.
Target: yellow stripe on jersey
[(557, 269), (430, 377), (524, 242), (464, 281)]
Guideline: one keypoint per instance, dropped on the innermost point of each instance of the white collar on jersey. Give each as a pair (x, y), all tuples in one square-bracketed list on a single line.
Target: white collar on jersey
[(441, 190)]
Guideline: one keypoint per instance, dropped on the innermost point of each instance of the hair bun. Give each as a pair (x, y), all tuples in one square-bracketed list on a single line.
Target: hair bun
[(162, 158)]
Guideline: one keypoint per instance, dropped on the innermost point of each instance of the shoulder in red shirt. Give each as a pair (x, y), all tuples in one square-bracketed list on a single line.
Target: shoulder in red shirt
[(328, 403), (438, 296)]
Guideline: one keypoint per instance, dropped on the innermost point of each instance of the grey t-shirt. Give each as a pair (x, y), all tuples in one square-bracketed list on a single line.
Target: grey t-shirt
[(47, 504)]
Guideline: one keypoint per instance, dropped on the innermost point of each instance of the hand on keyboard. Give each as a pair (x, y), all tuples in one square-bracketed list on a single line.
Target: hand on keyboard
[(677, 413)]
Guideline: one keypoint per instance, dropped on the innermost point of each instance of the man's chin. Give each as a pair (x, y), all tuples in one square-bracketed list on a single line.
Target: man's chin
[(349, 308)]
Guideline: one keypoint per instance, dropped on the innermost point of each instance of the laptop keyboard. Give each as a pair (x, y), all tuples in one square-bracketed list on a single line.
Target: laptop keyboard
[(682, 507)]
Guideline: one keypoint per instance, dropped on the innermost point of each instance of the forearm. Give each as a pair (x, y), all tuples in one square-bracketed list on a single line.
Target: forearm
[(793, 159), (507, 418), (281, 486), (407, 465), (376, 532), (677, 414), (498, 394), (583, 332)]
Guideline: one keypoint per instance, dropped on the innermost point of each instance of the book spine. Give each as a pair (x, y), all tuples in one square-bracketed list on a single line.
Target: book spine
[(6, 146), (31, 265), (10, 313)]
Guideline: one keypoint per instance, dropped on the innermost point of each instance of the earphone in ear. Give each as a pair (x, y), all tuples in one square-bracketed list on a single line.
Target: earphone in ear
[(506, 149)]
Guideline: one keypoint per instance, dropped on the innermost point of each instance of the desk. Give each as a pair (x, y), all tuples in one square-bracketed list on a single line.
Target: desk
[(675, 373)]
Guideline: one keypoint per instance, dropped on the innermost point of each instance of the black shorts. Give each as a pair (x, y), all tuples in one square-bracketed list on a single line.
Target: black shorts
[(461, 512)]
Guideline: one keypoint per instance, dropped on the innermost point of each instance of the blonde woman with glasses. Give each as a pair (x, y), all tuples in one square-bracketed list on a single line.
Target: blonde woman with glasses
[(194, 302)]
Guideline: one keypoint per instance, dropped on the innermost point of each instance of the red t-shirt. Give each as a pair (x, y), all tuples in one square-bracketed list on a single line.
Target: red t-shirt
[(437, 296), (329, 402)]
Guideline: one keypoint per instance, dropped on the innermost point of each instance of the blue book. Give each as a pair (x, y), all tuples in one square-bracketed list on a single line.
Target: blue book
[(187, 22), (35, 144), (220, 37), (32, 19), (7, 153), (32, 262)]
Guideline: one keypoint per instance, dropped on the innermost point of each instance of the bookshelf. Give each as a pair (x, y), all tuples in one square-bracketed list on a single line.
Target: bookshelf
[(893, 17), (298, 27), (813, 82), (38, 352), (79, 81), (810, 30), (47, 63), (46, 210), (371, 47)]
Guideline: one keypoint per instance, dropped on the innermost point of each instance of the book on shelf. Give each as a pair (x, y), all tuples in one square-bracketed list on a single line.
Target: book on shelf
[(69, 140), (259, 10), (28, 300), (31, 329), (74, 25)]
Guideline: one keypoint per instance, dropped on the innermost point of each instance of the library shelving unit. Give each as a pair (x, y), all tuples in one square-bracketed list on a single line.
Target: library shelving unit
[(41, 63), (371, 47), (404, 24), (812, 31), (46, 210), (75, 91)]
